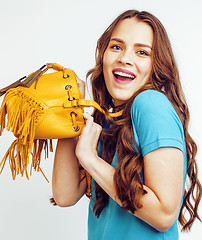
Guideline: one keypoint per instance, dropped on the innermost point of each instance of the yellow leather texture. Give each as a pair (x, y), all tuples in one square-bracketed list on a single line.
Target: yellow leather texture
[(45, 106), (50, 92)]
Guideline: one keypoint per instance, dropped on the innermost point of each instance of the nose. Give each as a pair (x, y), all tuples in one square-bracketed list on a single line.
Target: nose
[(126, 57)]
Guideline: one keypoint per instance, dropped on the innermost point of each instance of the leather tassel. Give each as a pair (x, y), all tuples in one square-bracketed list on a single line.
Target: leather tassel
[(26, 81), (33, 77)]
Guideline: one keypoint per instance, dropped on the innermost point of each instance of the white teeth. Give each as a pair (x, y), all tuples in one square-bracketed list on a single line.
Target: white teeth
[(124, 74)]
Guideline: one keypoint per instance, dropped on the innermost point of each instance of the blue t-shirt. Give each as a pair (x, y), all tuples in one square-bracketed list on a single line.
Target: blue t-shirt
[(155, 124)]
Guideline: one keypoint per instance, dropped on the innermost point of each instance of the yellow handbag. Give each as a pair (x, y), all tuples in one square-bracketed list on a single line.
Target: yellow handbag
[(39, 108)]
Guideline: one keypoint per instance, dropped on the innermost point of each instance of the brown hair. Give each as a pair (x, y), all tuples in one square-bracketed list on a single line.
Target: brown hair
[(164, 78)]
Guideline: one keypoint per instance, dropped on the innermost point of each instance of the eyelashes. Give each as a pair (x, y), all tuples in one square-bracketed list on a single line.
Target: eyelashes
[(139, 52), (116, 47), (142, 53)]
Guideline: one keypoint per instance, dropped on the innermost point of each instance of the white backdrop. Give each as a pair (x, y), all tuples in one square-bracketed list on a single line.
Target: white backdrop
[(63, 31)]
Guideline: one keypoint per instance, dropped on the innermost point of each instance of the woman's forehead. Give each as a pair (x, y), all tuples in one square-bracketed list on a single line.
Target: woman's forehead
[(133, 30)]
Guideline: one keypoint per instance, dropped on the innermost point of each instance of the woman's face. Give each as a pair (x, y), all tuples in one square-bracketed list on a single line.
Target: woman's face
[(127, 61)]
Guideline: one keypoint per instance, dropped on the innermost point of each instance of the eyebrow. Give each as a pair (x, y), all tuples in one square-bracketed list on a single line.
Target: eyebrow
[(136, 44)]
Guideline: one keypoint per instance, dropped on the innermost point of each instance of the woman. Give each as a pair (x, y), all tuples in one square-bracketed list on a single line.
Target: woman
[(144, 156)]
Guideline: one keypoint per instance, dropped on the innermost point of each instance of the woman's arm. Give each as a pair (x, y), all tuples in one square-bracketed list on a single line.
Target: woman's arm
[(68, 182), (163, 169)]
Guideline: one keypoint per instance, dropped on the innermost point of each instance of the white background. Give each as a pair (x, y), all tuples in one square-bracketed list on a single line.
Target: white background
[(63, 31)]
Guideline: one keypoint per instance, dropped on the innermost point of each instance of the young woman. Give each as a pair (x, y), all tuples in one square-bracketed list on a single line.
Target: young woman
[(144, 156)]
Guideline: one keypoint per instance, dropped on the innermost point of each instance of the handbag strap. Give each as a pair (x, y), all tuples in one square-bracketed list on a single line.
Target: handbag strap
[(89, 103)]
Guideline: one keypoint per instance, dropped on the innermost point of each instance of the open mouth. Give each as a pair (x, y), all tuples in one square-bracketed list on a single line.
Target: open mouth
[(123, 77)]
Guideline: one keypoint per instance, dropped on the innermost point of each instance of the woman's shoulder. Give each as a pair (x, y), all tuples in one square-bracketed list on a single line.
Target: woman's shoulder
[(151, 100), (150, 96)]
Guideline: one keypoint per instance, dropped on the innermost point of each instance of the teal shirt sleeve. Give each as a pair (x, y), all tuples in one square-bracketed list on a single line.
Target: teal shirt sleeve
[(155, 122)]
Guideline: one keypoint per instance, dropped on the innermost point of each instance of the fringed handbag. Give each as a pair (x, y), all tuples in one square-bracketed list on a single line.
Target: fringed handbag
[(39, 108)]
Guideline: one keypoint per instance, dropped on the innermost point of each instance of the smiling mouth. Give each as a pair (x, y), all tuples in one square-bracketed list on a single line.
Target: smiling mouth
[(123, 77)]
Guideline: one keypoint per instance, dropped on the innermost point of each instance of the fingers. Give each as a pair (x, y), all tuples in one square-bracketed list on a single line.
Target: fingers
[(90, 122), (86, 148), (91, 127), (89, 119)]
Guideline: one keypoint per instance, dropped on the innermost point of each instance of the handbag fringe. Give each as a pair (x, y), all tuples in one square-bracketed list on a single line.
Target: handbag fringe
[(21, 120)]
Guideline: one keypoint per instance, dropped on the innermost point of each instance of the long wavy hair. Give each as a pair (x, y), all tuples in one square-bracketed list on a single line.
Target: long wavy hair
[(164, 78)]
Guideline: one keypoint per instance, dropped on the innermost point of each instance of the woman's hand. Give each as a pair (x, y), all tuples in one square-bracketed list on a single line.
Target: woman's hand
[(86, 149), (81, 84)]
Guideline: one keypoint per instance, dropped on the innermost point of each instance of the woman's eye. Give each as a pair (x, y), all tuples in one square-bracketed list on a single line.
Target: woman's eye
[(142, 53), (116, 47)]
